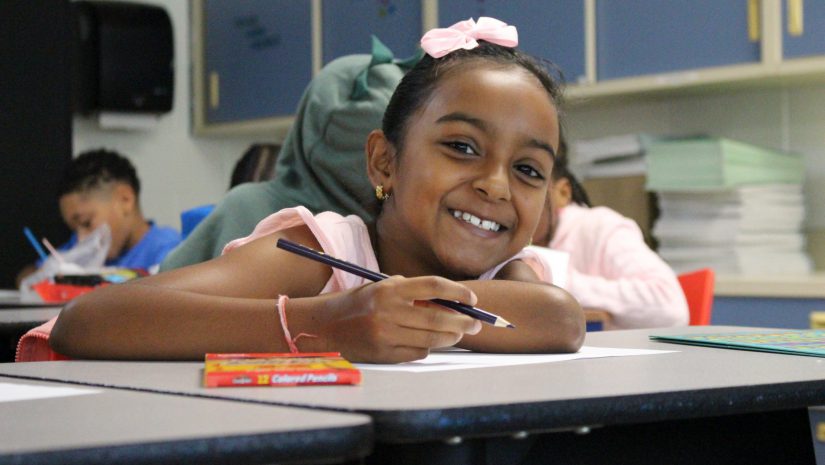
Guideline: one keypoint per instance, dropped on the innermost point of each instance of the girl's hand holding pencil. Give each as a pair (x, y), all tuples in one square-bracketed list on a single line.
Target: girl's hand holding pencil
[(456, 305), (391, 321), (396, 318)]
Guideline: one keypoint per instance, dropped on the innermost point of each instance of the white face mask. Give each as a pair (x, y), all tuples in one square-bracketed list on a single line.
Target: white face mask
[(91, 252)]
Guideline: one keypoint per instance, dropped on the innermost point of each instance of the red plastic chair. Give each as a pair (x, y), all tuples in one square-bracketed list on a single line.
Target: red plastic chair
[(698, 288)]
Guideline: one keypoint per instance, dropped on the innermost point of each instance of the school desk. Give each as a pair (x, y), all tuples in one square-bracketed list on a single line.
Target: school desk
[(120, 426), (29, 317), (13, 299), (694, 405)]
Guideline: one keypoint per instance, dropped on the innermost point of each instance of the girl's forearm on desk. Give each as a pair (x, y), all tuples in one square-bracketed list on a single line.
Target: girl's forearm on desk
[(153, 322), (546, 318)]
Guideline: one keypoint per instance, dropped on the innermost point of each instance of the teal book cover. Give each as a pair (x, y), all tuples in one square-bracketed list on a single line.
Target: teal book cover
[(718, 163), (785, 341)]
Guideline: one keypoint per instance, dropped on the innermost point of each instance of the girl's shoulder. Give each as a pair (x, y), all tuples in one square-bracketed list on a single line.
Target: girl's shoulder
[(328, 227), (344, 237)]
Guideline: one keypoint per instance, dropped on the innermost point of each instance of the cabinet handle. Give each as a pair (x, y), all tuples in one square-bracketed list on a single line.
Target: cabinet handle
[(753, 20), (214, 90), (795, 17)]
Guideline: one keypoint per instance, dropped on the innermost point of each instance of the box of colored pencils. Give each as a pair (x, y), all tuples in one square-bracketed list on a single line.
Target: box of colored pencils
[(278, 369)]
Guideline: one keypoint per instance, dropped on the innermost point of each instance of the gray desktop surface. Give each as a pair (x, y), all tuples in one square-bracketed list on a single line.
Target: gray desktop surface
[(12, 298), (26, 316), (691, 382), (125, 426)]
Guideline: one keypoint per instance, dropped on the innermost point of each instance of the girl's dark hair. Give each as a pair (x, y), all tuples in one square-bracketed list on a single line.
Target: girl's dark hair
[(97, 167), (561, 170), (419, 83)]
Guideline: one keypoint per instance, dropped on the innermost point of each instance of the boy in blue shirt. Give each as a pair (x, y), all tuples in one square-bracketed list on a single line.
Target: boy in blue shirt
[(101, 186)]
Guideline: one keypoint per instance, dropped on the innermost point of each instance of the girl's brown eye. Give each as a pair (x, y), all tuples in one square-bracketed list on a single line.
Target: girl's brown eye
[(529, 171), (462, 147)]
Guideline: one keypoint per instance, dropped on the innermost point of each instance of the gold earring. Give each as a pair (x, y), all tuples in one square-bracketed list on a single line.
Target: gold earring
[(380, 194)]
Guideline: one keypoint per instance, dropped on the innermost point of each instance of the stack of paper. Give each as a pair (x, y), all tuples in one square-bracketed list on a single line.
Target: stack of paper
[(730, 206), (612, 156), (706, 163)]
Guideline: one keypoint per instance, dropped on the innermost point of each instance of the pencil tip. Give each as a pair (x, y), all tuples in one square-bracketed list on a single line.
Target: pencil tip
[(502, 323)]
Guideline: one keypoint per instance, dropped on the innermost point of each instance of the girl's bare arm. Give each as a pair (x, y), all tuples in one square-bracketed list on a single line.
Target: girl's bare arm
[(229, 305), (225, 304), (547, 318)]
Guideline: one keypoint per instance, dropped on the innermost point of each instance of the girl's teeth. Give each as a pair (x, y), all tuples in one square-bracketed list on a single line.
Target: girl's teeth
[(486, 225)]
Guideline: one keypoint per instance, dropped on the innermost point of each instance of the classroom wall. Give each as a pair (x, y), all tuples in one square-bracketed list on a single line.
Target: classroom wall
[(790, 118), (180, 171), (177, 170)]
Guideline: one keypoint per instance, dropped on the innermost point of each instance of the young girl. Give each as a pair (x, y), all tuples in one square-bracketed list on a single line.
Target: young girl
[(611, 268), (461, 167)]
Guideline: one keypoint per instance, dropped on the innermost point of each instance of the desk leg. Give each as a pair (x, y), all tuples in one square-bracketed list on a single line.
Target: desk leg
[(749, 439)]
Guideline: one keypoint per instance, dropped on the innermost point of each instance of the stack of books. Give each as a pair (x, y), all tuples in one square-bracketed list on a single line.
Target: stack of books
[(733, 207), (709, 163), (612, 170), (610, 157)]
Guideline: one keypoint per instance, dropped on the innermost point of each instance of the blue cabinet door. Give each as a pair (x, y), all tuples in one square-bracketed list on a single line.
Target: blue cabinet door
[(639, 37), (810, 39), (257, 58), (348, 24), (551, 30), (765, 312)]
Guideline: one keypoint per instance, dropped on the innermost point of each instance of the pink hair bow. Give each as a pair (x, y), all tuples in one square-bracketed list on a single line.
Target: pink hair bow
[(464, 35)]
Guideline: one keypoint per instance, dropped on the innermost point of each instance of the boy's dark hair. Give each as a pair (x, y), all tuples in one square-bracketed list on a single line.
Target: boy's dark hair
[(420, 82), (561, 170), (93, 168)]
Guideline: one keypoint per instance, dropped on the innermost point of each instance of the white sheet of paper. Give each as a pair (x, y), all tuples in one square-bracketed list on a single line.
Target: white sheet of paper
[(13, 392), (458, 359)]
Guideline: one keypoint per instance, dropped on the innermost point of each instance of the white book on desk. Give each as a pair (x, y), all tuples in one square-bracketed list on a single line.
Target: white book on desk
[(749, 263), (754, 194), (794, 241), (583, 151), (633, 165), (610, 157), (745, 213), (726, 227), (723, 251)]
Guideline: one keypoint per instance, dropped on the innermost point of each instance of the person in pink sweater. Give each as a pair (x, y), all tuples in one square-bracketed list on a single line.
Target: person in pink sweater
[(610, 267), (461, 168)]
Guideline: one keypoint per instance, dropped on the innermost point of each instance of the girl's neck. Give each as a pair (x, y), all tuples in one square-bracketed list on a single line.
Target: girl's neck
[(396, 257)]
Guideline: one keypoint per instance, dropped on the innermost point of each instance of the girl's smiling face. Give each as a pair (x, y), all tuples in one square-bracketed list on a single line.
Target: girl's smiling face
[(470, 184)]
